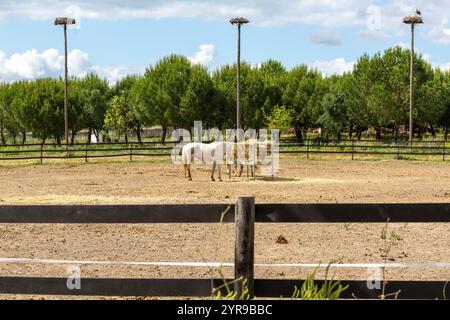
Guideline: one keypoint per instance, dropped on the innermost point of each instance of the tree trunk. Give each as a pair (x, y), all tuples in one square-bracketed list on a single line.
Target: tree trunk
[(138, 133), (350, 132), (378, 131), (396, 132), (433, 132), (88, 141), (3, 138), (72, 139), (58, 141), (24, 137), (419, 132), (126, 138), (299, 134), (97, 135), (163, 135)]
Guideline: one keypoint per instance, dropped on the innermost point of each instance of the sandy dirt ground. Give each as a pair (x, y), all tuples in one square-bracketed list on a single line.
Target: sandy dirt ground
[(301, 181)]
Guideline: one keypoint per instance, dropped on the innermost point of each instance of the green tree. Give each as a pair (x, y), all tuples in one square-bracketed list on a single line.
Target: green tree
[(303, 95), (39, 106), (95, 95), (119, 116), (334, 113), (280, 118), (125, 88)]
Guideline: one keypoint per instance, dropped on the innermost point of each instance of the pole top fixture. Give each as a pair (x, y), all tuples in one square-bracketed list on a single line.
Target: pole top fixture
[(239, 21), (64, 21)]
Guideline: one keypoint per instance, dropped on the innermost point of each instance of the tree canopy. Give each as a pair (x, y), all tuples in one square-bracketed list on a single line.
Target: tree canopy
[(174, 93)]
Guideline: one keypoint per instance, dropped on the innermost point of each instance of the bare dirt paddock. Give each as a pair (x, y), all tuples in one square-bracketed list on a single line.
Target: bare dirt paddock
[(319, 181)]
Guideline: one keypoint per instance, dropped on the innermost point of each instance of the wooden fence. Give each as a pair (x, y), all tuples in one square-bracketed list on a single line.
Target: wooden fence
[(246, 214), (353, 148)]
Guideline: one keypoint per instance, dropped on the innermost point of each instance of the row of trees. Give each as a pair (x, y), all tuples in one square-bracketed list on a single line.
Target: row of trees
[(174, 93)]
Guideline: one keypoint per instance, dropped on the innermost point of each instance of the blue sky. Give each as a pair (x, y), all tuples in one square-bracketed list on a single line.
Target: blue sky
[(115, 38)]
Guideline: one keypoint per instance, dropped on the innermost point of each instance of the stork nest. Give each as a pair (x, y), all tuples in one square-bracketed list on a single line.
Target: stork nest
[(413, 20)]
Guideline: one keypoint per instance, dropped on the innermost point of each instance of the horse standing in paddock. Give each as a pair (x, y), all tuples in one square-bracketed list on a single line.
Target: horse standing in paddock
[(251, 158), (212, 153)]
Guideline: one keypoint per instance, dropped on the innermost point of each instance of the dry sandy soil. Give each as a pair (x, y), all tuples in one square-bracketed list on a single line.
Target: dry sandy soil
[(320, 181)]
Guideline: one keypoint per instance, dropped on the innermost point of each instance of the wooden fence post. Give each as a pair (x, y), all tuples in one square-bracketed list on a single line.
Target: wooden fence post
[(41, 153), (131, 152), (444, 153), (244, 246), (307, 149), (86, 154), (353, 150)]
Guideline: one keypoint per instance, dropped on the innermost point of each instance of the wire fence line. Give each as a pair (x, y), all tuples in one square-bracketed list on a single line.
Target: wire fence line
[(395, 148)]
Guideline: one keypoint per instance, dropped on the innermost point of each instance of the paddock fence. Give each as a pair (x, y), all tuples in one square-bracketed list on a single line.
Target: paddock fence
[(246, 215), (395, 149)]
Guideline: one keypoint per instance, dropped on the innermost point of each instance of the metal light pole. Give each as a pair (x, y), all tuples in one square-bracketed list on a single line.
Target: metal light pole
[(239, 22), (65, 22), (412, 20)]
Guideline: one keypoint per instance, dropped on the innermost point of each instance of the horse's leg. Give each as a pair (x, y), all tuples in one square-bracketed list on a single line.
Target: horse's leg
[(213, 170), (219, 167), (230, 169), (185, 171), (189, 172), (240, 170)]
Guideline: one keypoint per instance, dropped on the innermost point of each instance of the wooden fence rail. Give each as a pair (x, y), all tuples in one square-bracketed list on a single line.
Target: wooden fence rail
[(246, 214), (212, 213), (133, 150)]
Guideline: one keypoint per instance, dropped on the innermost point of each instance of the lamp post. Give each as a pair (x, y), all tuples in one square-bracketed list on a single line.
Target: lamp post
[(239, 22), (412, 20), (65, 22)]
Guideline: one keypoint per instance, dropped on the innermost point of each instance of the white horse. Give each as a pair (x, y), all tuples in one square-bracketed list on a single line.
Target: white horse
[(254, 149), (212, 153)]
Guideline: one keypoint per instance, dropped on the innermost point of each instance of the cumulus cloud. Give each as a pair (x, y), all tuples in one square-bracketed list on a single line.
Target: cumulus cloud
[(386, 19), (261, 12), (204, 56), (326, 37), (32, 64), (333, 67), (50, 63), (380, 21)]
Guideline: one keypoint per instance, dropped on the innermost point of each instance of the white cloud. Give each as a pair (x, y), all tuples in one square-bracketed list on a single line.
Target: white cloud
[(442, 66), (380, 21), (331, 67), (386, 19), (261, 12), (326, 37), (50, 63), (204, 56), (114, 74)]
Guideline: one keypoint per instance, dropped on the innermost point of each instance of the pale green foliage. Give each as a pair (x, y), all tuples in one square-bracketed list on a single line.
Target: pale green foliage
[(310, 290), (118, 116), (280, 118)]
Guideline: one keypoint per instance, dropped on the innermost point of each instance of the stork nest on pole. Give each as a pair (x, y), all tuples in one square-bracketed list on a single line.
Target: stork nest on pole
[(413, 20), (63, 21), (239, 21)]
